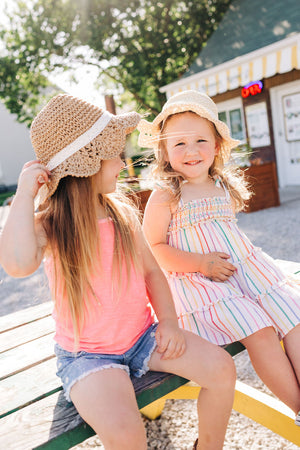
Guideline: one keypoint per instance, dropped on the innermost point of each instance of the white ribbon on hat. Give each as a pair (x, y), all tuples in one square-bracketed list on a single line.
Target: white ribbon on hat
[(81, 141)]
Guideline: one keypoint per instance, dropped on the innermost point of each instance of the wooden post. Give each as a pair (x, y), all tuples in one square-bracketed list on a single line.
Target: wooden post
[(110, 104)]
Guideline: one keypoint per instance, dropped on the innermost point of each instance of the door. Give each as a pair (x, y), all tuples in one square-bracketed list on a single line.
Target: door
[(285, 104)]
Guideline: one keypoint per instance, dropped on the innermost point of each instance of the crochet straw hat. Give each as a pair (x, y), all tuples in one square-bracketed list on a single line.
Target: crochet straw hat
[(194, 101), (72, 137)]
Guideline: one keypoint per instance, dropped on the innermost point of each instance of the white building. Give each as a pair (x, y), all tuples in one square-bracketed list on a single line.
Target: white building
[(15, 147), (250, 66)]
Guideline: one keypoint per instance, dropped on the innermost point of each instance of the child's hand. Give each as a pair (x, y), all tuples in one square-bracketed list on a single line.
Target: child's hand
[(215, 266), (32, 177), (170, 339)]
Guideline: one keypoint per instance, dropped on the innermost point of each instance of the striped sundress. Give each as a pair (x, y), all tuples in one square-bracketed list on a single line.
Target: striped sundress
[(256, 296)]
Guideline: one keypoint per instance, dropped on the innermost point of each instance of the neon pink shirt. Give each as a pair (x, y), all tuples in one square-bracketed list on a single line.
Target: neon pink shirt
[(113, 321)]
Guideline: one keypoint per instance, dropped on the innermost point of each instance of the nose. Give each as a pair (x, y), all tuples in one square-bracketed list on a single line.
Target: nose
[(191, 149)]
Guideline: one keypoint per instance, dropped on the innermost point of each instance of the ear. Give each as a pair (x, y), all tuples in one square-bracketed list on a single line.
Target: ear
[(217, 148), (164, 154)]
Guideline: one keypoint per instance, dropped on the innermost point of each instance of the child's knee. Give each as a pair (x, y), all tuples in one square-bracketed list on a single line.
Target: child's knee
[(261, 339), (224, 371), (123, 431)]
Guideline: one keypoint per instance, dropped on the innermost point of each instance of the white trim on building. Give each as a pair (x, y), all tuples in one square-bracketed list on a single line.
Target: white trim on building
[(280, 57)]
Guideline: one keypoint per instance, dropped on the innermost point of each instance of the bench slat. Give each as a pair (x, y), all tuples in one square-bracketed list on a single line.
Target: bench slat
[(39, 422), (26, 333), (24, 316), (234, 348), (27, 355), (28, 386), (291, 267)]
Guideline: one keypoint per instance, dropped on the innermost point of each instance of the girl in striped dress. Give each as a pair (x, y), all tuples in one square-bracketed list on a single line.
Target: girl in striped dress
[(224, 288)]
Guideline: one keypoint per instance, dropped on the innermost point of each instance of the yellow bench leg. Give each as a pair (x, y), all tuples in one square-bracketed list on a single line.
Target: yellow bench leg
[(154, 410), (267, 411), (258, 406)]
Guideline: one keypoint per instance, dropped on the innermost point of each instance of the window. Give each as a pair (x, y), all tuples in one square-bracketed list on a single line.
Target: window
[(231, 113), (223, 117)]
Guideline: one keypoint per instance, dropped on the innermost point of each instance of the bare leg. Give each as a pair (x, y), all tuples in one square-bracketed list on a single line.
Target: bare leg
[(213, 369), (106, 401), (273, 366), (291, 344)]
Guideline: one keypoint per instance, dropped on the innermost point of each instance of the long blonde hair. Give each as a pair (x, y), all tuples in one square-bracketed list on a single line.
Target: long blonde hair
[(70, 223), (230, 175)]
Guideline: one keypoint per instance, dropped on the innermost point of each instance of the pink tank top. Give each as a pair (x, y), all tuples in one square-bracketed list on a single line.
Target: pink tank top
[(114, 320)]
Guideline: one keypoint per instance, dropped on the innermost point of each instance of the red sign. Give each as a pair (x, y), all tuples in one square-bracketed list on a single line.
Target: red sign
[(253, 88)]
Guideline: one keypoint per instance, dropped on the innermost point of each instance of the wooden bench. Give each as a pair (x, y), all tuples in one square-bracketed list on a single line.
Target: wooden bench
[(34, 413)]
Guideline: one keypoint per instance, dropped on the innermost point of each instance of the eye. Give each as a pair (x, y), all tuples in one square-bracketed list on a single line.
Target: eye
[(179, 143), (201, 140)]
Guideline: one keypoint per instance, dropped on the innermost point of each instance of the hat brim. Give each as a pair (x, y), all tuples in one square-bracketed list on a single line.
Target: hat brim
[(82, 164), (150, 131)]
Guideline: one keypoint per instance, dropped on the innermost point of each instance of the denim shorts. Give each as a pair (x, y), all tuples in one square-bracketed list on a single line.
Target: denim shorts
[(72, 367)]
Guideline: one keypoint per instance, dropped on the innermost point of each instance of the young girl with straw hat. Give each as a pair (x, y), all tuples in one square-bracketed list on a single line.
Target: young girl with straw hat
[(224, 288), (102, 276)]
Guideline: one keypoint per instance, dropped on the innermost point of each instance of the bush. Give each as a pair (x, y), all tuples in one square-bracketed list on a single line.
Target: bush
[(5, 195)]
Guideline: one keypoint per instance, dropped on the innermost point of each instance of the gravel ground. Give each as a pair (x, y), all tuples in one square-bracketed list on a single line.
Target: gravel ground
[(277, 231)]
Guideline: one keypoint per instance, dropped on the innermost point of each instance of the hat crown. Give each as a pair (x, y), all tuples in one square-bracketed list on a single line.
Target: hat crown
[(60, 122), (190, 100), (193, 98), (71, 137)]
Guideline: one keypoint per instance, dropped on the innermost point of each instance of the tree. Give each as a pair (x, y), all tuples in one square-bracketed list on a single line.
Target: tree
[(140, 45), (22, 92)]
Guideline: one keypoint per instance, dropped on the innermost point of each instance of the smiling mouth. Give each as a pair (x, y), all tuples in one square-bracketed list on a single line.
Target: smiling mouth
[(193, 163)]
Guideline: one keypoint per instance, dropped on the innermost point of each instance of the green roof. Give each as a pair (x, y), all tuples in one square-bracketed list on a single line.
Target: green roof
[(248, 25)]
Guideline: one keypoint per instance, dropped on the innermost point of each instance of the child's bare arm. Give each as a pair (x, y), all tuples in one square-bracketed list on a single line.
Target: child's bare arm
[(23, 240), (169, 337), (157, 218)]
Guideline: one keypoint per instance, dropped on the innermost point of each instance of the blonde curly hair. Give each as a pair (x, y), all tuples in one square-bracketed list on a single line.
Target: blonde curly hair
[(229, 174)]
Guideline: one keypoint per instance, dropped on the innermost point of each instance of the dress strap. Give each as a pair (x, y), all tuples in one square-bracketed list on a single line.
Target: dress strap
[(228, 198), (181, 203), (220, 184)]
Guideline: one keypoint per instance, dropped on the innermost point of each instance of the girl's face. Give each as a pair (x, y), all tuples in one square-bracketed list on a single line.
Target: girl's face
[(191, 146), (107, 176)]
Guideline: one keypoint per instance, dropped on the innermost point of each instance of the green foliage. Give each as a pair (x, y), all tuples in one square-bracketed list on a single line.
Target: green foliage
[(21, 90), (140, 45), (5, 195)]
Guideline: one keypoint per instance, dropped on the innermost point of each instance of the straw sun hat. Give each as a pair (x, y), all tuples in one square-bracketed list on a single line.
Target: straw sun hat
[(71, 137), (194, 101)]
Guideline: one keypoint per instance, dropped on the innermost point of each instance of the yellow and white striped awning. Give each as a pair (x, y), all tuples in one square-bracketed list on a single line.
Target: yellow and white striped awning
[(281, 57)]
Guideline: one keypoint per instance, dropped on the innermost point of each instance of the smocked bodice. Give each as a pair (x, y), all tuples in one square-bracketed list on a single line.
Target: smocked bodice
[(199, 210)]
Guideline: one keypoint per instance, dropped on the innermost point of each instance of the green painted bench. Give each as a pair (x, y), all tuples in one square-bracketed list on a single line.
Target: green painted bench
[(35, 415), (32, 402)]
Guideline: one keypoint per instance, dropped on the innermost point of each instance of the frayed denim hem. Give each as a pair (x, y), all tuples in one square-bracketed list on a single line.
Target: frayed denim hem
[(143, 370), (85, 374)]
